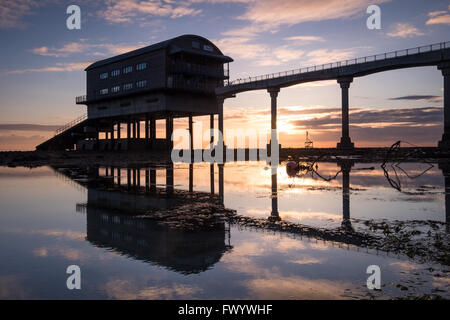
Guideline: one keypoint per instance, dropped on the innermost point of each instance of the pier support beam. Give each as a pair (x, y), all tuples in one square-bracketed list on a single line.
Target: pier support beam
[(346, 143), (445, 142), (169, 131), (147, 133), (220, 143), (191, 138), (138, 129), (152, 132), (273, 118), (128, 133)]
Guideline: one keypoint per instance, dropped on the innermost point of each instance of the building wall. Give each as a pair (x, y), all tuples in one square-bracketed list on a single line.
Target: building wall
[(155, 74)]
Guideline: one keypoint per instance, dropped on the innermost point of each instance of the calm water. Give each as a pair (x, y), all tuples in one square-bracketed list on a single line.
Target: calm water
[(52, 218)]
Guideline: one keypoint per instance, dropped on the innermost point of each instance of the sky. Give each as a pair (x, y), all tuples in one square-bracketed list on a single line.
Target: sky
[(42, 62)]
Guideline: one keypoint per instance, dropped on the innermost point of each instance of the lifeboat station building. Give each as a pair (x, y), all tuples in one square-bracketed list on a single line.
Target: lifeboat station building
[(167, 80)]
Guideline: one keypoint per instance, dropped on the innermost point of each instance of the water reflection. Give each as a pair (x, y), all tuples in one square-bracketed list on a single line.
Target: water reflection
[(117, 214), (124, 253)]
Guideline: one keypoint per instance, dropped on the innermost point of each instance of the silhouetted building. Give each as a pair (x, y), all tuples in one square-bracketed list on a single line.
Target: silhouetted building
[(171, 79)]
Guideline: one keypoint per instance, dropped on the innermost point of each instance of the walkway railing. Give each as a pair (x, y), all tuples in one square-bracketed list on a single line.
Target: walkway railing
[(377, 57), (71, 124), (81, 99)]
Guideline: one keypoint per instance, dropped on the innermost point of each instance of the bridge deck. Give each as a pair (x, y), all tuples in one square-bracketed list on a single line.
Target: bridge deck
[(430, 55)]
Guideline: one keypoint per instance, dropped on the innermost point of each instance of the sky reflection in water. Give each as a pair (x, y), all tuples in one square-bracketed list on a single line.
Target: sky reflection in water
[(42, 231)]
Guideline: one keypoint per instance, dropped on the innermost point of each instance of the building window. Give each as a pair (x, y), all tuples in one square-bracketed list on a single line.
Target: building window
[(196, 44), (127, 69), (127, 86), (104, 91), (115, 73), (104, 75), (141, 84), (115, 89), (141, 66), (207, 47)]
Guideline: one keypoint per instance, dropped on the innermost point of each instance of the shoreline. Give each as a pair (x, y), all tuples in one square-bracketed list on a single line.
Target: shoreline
[(136, 158)]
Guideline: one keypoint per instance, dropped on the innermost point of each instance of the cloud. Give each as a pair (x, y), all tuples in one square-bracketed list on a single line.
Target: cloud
[(27, 127), (405, 116), (378, 126), (321, 56), (419, 98), (260, 54), (290, 12), (58, 67), (404, 30), (126, 11), (12, 12), (439, 17), (92, 49), (304, 39)]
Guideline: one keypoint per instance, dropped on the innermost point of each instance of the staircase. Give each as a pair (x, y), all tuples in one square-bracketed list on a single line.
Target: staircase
[(66, 137)]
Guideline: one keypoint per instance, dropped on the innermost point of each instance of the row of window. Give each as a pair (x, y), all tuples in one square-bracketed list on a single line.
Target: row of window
[(126, 86), (125, 70)]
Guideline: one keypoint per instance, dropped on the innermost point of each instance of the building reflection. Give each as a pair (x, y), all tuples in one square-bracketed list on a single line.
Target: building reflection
[(119, 218), (445, 167)]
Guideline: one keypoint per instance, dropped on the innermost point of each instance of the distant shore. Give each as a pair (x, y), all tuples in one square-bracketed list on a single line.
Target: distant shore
[(43, 158)]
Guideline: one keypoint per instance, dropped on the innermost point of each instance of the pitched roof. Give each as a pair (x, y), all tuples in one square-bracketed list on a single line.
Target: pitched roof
[(154, 47)]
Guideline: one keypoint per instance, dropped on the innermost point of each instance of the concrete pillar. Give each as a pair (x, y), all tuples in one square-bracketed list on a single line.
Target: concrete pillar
[(134, 129), (273, 106), (112, 136), (138, 129), (152, 131), (128, 130), (169, 131), (273, 118), (134, 178), (118, 131), (445, 142), (220, 142), (147, 180), (129, 178), (191, 138), (346, 142), (211, 128), (147, 133), (119, 180)]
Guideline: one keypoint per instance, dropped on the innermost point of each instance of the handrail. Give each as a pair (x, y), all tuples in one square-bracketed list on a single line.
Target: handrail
[(81, 99), (376, 57), (71, 124)]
